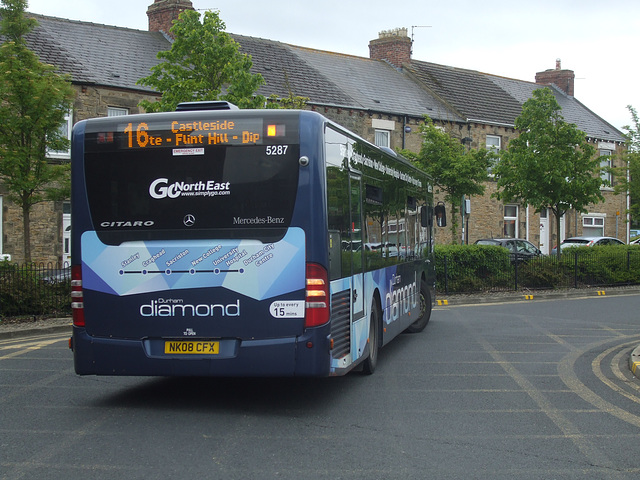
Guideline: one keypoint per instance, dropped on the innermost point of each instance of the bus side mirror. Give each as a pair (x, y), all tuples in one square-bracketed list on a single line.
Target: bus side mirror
[(441, 215), (426, 216)]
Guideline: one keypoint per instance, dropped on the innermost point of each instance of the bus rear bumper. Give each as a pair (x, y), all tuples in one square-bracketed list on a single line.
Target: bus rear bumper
[(306, 355)]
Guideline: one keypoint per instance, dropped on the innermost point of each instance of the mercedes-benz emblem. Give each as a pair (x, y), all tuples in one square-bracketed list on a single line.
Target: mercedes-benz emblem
[(189, 220)]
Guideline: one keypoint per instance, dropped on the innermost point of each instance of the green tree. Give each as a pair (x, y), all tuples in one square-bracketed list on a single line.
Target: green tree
[(204, 63), (628, 176), (35, 100), (454, 169), (550, 164)]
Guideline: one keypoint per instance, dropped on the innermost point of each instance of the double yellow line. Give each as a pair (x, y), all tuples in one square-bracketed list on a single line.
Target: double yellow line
[(16, 347)]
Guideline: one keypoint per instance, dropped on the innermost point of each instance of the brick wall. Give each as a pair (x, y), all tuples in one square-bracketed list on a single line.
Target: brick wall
[(393, 46), (93, 101), (162, 13), (46, 232), (563, 79)]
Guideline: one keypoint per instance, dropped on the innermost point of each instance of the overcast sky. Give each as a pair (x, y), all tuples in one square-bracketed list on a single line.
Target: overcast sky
[(597, 40)]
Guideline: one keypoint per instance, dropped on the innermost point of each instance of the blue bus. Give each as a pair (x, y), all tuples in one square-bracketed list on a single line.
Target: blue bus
[(213, 241)]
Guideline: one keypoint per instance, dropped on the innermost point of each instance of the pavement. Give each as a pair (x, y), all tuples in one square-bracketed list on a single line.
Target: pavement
[(62, 325), (533, 295), (34, 327)]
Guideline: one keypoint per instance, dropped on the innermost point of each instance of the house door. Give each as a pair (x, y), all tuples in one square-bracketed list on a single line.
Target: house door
[(66, 239), (544, 232)]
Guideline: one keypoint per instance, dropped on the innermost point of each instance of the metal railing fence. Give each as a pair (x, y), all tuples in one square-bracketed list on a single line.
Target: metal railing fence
[(44, 289), (34, 290), (581, 268)]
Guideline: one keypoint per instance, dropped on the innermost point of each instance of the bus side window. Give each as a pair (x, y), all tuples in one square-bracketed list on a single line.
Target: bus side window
[(335, 254)]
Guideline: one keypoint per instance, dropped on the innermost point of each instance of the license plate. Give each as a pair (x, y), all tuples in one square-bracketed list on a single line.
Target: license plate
[(191, 347)]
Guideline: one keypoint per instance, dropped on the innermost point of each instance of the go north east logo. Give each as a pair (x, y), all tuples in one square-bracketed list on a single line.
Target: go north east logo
[(161, 188)]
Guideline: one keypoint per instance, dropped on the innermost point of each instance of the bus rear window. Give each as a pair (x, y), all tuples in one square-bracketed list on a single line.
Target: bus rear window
[(219, 192)]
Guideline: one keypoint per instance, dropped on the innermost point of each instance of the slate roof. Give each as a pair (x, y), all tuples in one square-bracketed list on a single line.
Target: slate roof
[(117, 57), (375, 85), (286, 74), (97, 54), (473, 95), (485, 98), (573, 110)]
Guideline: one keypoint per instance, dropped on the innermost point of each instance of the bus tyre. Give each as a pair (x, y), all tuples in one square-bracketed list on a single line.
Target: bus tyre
[(370, 363), (425, 310)]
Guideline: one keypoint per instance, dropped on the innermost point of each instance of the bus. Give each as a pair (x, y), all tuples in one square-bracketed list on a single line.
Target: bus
[(214, 241)]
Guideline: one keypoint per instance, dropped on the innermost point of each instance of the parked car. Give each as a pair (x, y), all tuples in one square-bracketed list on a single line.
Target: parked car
[(54, 276), (587, 242), (519, 249)]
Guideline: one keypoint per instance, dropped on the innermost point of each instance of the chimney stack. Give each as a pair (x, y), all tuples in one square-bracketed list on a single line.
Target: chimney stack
[(563, 79), (394, 46), (162, 14)]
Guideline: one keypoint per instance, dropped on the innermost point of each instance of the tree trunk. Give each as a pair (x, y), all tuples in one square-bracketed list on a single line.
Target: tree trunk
[(559, 240), (26, 227), (454, 224)]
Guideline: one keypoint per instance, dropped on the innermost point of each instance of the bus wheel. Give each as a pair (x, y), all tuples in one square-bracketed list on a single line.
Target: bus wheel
[(425, 310), (369, 365)]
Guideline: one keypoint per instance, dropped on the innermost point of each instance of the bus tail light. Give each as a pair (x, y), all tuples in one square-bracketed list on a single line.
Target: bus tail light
[(275, 130), (77, 304), (317, 311)]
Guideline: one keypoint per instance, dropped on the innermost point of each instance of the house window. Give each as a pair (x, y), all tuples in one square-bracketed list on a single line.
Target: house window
[(593, 225), (117, 111), (606, 163), (65, 131), (493, 145), (382, 138), (511, 221), (383, 129)]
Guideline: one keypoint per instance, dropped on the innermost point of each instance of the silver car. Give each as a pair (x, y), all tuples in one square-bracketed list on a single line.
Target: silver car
[(587, 242), (519, 249)]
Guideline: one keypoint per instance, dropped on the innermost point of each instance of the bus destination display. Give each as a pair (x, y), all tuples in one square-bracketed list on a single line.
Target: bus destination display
[(195, 133)]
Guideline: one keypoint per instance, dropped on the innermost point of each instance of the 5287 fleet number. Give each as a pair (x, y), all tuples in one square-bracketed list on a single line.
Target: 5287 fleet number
[(277, 149)]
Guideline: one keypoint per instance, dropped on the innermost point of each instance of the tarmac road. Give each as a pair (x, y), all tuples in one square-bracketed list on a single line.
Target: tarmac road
[(511, 388)]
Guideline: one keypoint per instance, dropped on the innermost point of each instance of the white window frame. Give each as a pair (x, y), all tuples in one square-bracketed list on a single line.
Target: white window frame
[(494, 146), (66, 234), (594, 223), (117, 111), (510, 219), (606, 162), (65, 128), (382, 138)]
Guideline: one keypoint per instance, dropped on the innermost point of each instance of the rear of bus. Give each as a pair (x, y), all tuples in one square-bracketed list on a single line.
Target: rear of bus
[(189, 246)]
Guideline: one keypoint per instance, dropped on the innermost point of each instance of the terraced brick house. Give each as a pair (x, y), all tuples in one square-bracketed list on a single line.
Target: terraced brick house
[(383, 98)]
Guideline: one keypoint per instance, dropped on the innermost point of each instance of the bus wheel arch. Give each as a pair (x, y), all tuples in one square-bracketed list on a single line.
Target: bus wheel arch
[(375, 336), (425, 309)]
